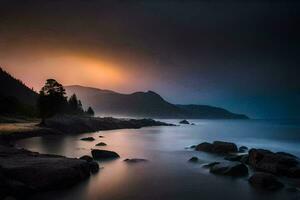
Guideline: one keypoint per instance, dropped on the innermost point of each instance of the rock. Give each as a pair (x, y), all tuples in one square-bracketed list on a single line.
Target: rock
[(104, 154), (229, 169), (25, 172), (86, 158), (88, 139), (101, 144), (193, 146), (217, 147), (100, 136), (282, 164), (135, 160), (243, 149), (233, 157), (94, 167), (184, 122), (193, 159), (193, 124), (265, 181), (292, 189), (245, 159), (209, 165)]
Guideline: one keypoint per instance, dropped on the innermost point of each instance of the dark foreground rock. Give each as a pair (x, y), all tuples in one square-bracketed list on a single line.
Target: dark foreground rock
[(243, 149), (184, 122), (88, 139), (23, 172), (217, 147), (80, 124), (229, 169), (135, 160), (282, 164), (209, 165), (265, 181), (104, 154), (86, 158)]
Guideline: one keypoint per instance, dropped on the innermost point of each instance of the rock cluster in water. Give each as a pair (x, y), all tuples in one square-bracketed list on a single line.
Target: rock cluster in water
[(267, 165)]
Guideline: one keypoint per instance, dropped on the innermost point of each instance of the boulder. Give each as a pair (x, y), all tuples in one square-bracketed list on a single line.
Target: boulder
[(217, 147), (135, 160), (94, 167), (233, 157), (265, 181), (86, 158), (209, 165), (193, 159), (101, 144), (184, 122), (243, 149), (104, 154), (88, 139), (282, 164), (229, 169), (25, 172)]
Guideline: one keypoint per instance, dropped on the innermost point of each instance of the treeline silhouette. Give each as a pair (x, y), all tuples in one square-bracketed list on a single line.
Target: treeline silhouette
[(53, 100), (16, 99)]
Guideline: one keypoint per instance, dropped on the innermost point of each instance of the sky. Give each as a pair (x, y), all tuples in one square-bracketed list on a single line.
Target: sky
[(241, 55)]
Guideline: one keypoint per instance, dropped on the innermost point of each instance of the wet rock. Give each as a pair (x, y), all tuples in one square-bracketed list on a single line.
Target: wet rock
[(184, 122), (94, 167), (229, 169), (217, 147), (88, 139), (194, 159), (135, 160), (265, 181), (209, 165), (26, 172), (104, 154), (86, 158), (243, 149), (101, 144), (233, 157), (193, 146), (100, 136), (245, 159), (282, 164)]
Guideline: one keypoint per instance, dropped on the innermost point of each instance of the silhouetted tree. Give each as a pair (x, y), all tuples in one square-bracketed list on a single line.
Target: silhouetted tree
[(52, 99), (90, 111), (75, 105)]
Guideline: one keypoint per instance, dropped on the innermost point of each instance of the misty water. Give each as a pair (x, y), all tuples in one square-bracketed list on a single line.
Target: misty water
[(167, 174)]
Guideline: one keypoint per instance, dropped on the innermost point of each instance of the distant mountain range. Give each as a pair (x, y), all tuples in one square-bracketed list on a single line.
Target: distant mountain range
[(144, 104)]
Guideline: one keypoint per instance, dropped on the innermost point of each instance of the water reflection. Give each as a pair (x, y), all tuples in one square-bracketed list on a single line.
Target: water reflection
[(167, 175)]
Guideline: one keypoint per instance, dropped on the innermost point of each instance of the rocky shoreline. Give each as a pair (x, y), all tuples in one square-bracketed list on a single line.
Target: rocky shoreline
[(267, 168), (24, 173)]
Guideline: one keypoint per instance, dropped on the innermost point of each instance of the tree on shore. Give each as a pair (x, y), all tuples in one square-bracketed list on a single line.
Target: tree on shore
[(90, 112), (75, 105), (52, 99)]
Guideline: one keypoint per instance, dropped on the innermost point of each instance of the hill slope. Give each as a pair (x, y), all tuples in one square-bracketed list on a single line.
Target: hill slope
[(143, 104), (15, 97)]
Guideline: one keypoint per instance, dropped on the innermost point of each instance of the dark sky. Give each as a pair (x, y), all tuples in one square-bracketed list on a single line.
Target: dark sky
[(241, 55)]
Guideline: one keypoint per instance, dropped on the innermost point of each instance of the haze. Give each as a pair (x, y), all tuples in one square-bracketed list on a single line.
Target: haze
[(240, 56)]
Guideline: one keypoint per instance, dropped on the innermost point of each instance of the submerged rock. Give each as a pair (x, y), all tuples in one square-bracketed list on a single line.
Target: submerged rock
[(100, 136), (229, 169), (135, 160), (184, 122), (88, 139), (276, 163), (104, 154), (217, 147), (101, 144), (194, 159), (265, 181)]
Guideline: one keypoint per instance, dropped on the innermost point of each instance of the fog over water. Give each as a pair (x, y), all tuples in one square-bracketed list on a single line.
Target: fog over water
[(167, 174)]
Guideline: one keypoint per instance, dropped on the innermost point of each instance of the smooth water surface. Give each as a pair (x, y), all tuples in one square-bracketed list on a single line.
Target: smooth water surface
[(167, 174)]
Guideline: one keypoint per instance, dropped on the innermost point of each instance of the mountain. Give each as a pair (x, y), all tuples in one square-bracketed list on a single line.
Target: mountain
[(15, 96), (144, 104)]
